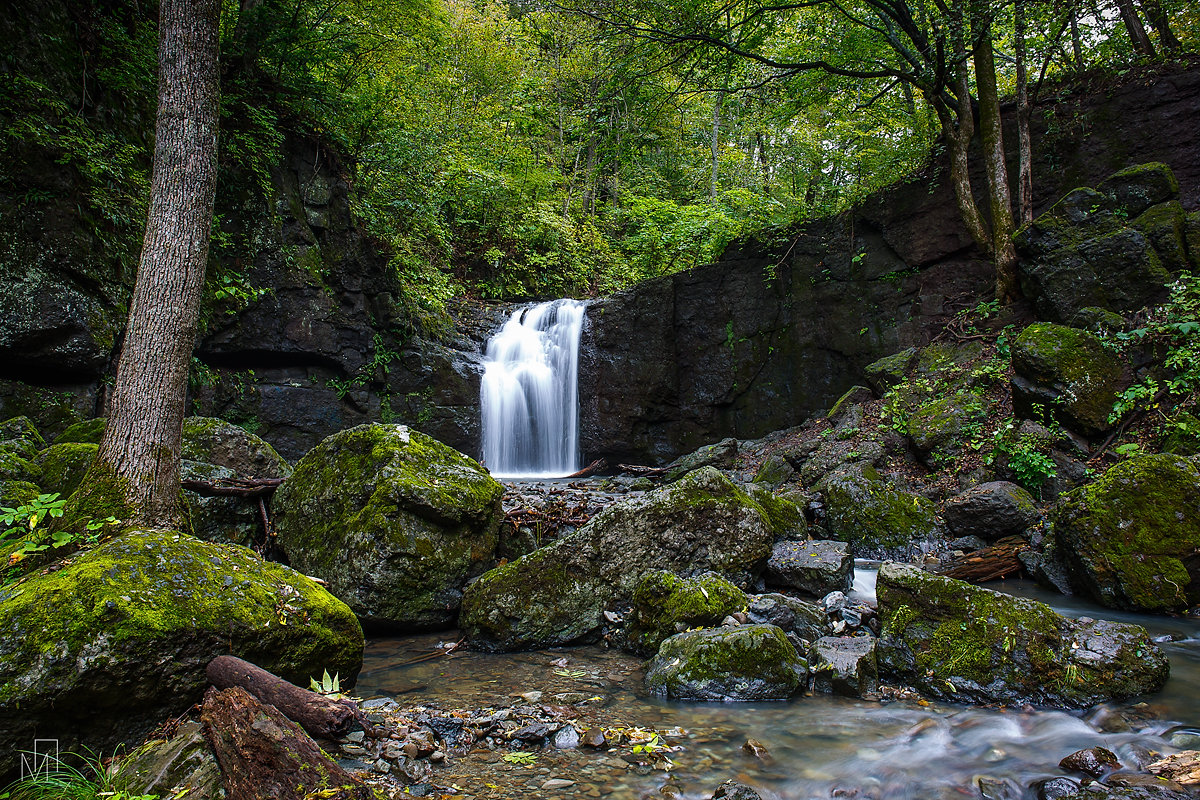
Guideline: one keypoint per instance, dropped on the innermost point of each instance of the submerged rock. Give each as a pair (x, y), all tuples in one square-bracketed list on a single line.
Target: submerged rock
[(394, 521), (749, 662), (1130, 539), (956, 641), (663, 601), (557, 595), (116, 640), (814, 567)]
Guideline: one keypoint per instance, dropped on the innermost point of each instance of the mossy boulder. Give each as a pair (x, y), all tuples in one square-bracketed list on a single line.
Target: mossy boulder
[(62, 466), (1130, 540), (774, 471), (890, 370), (14, 494), (844, 665), (115, 641), (558, 594), (214, 449), (833, 455), (991, 511), (720, 455), (940, 428), (22, 429), (396, 522), (89, 431), (746, 662), (1114, 247), (1182, 435), (875, 518), (952, 640), (15, 463), (1067, 373), (811, 567), (665, 604)]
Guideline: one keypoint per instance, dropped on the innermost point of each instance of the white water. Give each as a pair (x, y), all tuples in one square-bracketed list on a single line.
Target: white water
[(529, 397)]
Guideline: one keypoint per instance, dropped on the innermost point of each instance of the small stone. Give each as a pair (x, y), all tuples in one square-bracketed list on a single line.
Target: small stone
[(557, 783), (1094, 761), (594, 737), (833, 603), (753, 747), (1056, 789), (355, 736), (729, 622), (567, 738), (732, 790), (437, 756)]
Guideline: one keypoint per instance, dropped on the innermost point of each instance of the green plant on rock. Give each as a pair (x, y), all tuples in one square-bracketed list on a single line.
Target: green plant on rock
[(62, 781), (1023, 453), (331, 687)]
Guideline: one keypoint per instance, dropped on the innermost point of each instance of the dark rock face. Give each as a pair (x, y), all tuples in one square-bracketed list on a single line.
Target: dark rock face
[(991, 511), (960, 642)]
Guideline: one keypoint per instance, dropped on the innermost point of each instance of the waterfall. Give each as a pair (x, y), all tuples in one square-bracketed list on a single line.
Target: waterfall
[(529, 397)]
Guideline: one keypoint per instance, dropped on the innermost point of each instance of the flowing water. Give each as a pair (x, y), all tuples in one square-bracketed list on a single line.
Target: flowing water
[(819, 746), (529, 400)]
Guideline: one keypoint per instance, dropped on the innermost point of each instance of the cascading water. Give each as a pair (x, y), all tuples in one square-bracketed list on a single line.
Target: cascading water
[(529, 398)]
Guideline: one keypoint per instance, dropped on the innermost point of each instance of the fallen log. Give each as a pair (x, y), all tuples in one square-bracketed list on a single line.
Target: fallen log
[(591, 469), (322, 717), (263, 755), (635, 469), (233, 487), (992, 563)]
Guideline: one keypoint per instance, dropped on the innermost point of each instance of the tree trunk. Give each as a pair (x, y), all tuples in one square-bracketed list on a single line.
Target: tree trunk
[(992, 140), (1158, 18), (1024, 146), (716, 141), (1137, 31), (1076, 39), (140, 448)]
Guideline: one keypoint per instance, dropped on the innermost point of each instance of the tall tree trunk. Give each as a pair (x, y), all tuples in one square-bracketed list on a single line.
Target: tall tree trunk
[(763, 162), (1076, 38), (1137, 31), (1024, 146), (991, 137), (140, 448), (1162, 26)]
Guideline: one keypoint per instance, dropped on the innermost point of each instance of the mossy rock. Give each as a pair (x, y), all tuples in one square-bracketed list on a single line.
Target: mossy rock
[(720, 455), (1137, 188), (209, 440), (1165, 226), (991, 511), (1182, 435), (15, 463), (952, 640), (746, 662), (1192, 238), (774, 471), (89, 431), (663, 601), (939, 428), (22, 429), (396, 522), (1130, 539), (52, 412), (853, 396), (63, 466), (876, 519), (784, 511), (115, 641), (833, 455), (14, 494), (890, 370), (558, 594), (1066, 372)]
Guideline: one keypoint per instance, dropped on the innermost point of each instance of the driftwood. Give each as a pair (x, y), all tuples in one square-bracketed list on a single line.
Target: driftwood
[(322, 717), (263, 755), (635, 469), (992, 563), (234, 487), (591, 469)]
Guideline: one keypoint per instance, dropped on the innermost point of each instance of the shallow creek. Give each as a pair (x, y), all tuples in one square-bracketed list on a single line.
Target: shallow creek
[(819, 746)]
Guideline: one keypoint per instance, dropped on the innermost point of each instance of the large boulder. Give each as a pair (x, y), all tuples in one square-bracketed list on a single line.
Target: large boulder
[(1112, 247), (745, 662), (876, 519), (844, 666), (939, 428), (952, 640), (813, 567), (1067, 373), (1131, 539), (394, 521), (214, 449), (62, 466), (665, 604), (115, 641), (991, 511), (558, 594)]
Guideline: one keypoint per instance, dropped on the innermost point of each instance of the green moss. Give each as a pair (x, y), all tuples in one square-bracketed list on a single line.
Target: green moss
[(940, 425), (1073, 365), (101, 494), (14, 494), (870, 515), (21, 428), (15, 464), (744, 662), (64, 465), (663, 601), (89, 432)]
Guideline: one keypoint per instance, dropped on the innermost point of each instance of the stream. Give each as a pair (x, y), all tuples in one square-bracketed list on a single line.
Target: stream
[(819, 746)]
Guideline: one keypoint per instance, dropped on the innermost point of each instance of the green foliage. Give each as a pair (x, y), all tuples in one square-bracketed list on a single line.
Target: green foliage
[(62, 781), (520, 757), (26, 524), (329, 686), (1024, 455)]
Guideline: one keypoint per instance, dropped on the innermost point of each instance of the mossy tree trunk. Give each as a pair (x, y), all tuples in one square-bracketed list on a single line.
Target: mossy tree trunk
[(140, 448)]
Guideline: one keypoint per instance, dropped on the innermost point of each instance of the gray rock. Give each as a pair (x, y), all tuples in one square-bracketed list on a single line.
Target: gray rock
[(991, 511), (813, 567), (720, 455), (182, 765), (1067, 373), (952, 640), (1094, 762), (808, 621), (567, 738), (664, 604), (875, 519), (749, 662), (732, 790), (394, 521), (890, 370), (844, 666), (557, 595), (1055, 788)]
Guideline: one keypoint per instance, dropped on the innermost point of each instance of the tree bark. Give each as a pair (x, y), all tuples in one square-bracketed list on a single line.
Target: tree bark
[(1162, 26), (1024, 145), (140, 447), (320, 716), (263, 755), (1137, 31), (992, 139)]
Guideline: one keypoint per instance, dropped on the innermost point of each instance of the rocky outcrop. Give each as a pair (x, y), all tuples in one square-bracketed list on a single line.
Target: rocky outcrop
[(814, 567), (115, 641), (1130, 540), (745, 662), (394, 521), (558, 594), (960, 642)]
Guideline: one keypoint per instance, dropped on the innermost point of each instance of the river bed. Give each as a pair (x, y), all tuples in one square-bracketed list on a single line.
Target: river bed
[(819, 746)]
